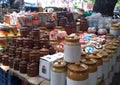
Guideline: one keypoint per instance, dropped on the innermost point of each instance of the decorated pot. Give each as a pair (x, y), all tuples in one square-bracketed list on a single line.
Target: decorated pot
[(72, 49), (58, 73), (77, 74)]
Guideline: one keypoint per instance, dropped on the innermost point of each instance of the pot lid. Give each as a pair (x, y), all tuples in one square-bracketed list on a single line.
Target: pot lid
[(78, 67), (72, 37), (59, 64), (89, 61)]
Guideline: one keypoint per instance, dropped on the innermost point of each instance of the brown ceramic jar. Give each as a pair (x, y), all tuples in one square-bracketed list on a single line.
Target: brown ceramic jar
[(25, 53), (27, 42), (19, 51), (11, 59), (50, 25), (44, 51), (43, 41), (83, 24), (12, 50), (24, 31), (32, 69), (1, 54), (36, 34), (62, 21), (77, 72), (5, 60), (34, 54), (19, 42), (16, 63), (70, 28), (23, 66)]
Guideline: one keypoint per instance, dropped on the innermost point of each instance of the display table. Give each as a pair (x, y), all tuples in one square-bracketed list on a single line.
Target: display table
[(30, 80)]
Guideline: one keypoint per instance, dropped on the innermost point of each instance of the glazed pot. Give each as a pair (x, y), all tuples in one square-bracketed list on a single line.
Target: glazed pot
[(11, 59), (50, 25), (25, 53), (19, 42), (19, 51), (24, 31), (27, 42), (5, 60), (99, 64), (36, 34), (23, 66), (1, 54), (92, 70), (32, 69), (34, 54), (44, 51), (77, 74), (16, 63), (58, 73), (72, 49)]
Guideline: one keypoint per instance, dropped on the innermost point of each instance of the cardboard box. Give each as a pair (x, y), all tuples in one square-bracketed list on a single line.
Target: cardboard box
[(45, 64)]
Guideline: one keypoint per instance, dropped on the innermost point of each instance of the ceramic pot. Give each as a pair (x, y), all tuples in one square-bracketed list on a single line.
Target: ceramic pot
[(58, 73), (77, 74), (72, 49)]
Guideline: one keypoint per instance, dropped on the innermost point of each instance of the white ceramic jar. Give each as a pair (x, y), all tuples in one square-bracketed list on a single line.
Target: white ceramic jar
[(58, 73), (72, 49), (77, 74)]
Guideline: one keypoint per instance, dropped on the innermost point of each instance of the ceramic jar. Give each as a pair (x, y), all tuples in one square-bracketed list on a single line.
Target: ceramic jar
[(19, 42), (34, 54), (58, 73), (43, 41), (106, 64), (5, 60), (44, 51), (70, 28), (92, 69), (16, 63), (25, 53), (36, 34), (27, 42), (77, 74), (32, 69), (115, 30), (24, 31), (12, 49), (23, 66), (11, 59), (99, 65), (72, 49), (1, 54), (50, 25), (19, 51), (83, 24)]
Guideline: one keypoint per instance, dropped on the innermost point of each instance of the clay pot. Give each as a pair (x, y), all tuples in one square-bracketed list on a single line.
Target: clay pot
[(19, 42), (36, 34), (1, 54), (25, 53), (11, 60)]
